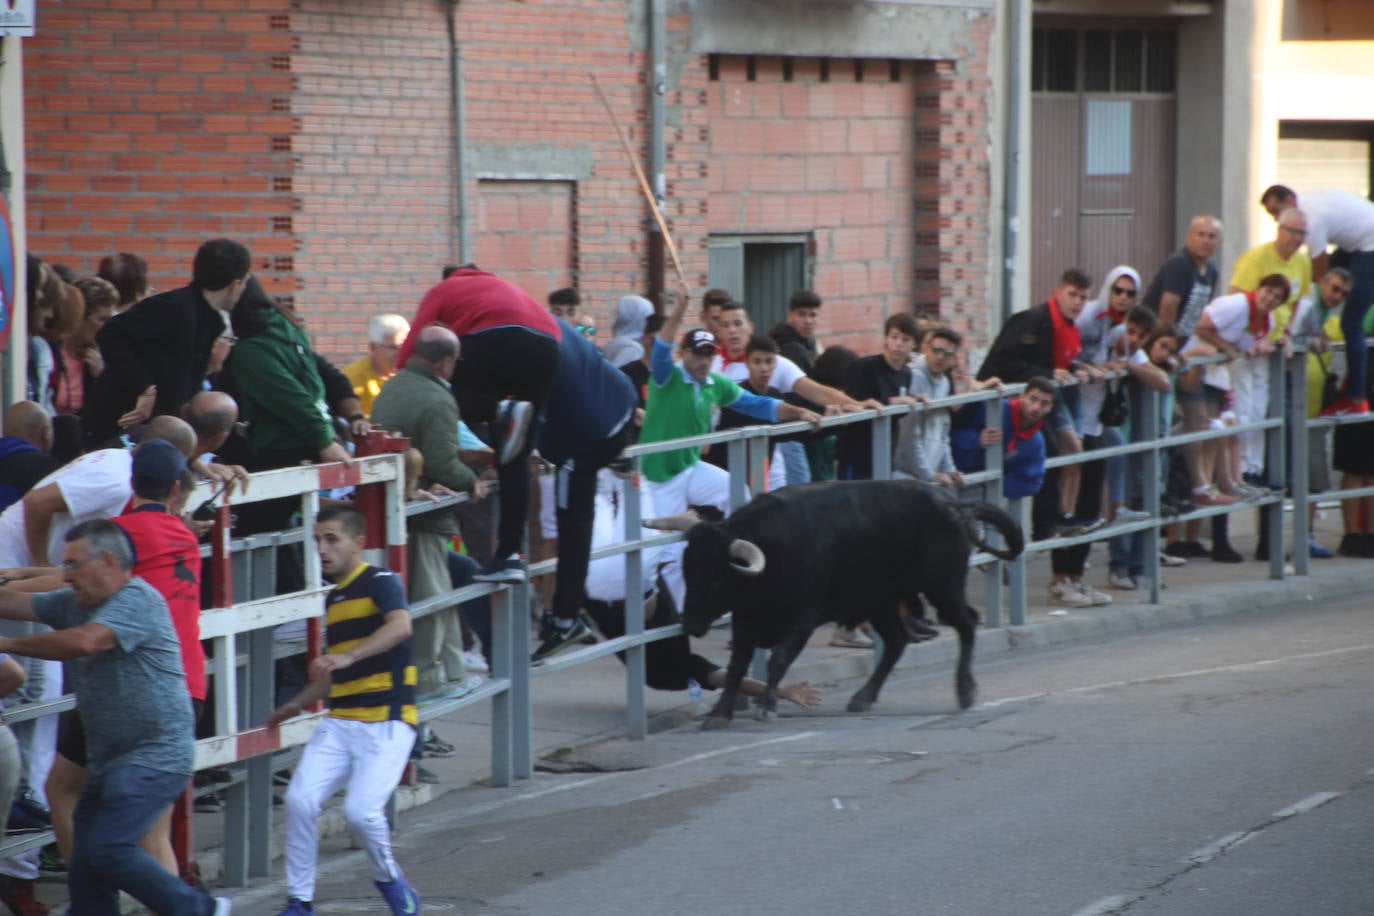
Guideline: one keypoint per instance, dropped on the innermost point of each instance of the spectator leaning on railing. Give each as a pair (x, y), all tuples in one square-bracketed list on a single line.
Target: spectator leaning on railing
[(1023, 457)]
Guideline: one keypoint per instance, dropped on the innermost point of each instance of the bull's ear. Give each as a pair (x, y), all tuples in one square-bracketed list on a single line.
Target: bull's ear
[(746, 557), (684, 522)]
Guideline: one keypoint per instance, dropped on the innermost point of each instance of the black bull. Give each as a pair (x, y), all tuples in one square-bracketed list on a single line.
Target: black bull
[(846, 552)]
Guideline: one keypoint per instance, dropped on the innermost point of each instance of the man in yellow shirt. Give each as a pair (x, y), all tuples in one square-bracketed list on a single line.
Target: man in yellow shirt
[(368, 374), (1280, 256)]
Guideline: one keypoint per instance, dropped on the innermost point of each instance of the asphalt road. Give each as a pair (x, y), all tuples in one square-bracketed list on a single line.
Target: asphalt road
[(1219, 768)]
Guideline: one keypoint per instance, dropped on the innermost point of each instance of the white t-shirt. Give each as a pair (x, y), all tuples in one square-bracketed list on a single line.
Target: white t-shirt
[(96, 485), (1231, 317), (606, 576), (785, 374), (1339, 218)]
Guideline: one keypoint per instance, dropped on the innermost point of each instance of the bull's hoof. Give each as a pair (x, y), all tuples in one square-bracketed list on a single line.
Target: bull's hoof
[(713, 722), (968, 695), (860, 703), (765, 715)]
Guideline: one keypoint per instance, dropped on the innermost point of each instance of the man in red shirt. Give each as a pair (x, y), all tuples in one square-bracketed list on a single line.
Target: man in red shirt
[(510, 347)]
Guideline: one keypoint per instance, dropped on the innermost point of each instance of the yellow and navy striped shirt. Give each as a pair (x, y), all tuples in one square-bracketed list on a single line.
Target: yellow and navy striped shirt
[(380, 688)]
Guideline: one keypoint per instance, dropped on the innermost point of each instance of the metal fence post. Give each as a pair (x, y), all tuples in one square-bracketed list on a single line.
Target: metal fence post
[(992, 573), (636, 706), (1275, 461), (1150, 463), (882, 446), (1298, 460), (522, 728), (502, 705)]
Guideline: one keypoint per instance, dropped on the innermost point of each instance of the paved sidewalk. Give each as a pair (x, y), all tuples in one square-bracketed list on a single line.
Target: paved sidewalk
[(585, 704)]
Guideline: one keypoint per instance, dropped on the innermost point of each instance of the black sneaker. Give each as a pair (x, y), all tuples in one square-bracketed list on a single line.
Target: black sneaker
[(209, 803), (50, 861), (1068, 527), (1225, 553), (437, 747), (555, 639), (509, 569), (511, 429)]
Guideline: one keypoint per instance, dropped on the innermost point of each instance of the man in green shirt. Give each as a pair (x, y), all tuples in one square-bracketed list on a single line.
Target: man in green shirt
[(682, 397)]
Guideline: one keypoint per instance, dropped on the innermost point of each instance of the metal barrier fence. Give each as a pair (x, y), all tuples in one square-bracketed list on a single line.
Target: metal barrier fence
[(245, 645)]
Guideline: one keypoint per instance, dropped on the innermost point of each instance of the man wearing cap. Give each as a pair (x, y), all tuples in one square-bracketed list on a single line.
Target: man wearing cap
[(114, 631), (681, 398)]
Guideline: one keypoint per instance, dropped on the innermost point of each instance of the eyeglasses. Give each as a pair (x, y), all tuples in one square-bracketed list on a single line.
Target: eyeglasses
[(1122, 291), (943, 352), (1338, 292), (1300, 233), (72, 565)]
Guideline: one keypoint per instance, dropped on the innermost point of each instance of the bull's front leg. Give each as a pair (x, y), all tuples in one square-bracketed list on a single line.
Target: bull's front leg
[(782, 657), (740, 654), (888, 625)]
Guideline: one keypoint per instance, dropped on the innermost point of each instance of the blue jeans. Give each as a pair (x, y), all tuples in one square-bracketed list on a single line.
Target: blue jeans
[(115, 810), (794, 458)]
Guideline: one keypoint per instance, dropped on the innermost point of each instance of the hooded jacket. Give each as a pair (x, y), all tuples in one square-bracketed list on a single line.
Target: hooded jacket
[(279, 390), (631, 314), (1095, 326), (799, 349)]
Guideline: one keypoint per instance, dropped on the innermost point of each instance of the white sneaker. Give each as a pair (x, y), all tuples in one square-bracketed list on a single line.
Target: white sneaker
[(1123, 581), (1067, 594), (1168, 559), (455, 689), (222, 906), (1126, 516), (473, 661), (845, 638), (1095, 598)]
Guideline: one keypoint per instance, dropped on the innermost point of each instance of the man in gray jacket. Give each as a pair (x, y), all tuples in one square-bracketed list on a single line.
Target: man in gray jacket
[(416, 403), (923, 449)]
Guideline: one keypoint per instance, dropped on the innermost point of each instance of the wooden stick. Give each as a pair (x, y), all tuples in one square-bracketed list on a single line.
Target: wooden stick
[(643, 183)]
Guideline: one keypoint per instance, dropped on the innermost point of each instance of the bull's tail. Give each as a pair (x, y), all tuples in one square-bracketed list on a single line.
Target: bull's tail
[(976, 510)]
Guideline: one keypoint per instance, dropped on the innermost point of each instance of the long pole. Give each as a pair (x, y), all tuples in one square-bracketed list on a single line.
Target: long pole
[(643, 182)]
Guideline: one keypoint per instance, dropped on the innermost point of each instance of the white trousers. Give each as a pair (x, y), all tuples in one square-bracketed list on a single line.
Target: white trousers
[(700, 485), (370, 757), (1250, 384)]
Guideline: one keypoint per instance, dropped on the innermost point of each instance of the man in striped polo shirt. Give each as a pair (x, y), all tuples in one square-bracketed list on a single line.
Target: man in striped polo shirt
[(369, 677)]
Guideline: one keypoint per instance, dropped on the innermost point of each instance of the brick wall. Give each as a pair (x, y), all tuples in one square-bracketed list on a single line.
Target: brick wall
[(152, 126), (373, 156), (318, 131)]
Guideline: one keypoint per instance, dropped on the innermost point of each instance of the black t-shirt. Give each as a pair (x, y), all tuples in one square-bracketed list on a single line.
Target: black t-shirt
[(1179, 276), (869, 377)]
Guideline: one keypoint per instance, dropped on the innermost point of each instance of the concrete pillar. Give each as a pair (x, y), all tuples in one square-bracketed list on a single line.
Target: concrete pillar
[(12, 130)]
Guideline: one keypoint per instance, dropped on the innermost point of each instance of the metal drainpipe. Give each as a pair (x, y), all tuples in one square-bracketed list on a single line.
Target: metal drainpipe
[(658, 89), (460, 164), (1013, 222)]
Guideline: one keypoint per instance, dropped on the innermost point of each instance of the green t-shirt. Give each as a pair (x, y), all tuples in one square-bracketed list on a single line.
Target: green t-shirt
[(680, 408)]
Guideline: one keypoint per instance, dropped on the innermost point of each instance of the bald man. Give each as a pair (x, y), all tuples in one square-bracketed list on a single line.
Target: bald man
[(212, 416), (1188, 280), (24, 458)]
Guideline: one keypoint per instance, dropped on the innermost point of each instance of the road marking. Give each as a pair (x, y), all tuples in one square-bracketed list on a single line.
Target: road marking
[(1307, 804), (1105, 906), (1205, 854), (1180, 675)]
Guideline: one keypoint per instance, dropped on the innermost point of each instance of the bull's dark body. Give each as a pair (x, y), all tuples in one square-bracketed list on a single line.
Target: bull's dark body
[(846, 552)]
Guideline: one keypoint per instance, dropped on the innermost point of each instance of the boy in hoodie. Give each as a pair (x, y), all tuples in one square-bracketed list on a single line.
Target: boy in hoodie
[(627, 331)]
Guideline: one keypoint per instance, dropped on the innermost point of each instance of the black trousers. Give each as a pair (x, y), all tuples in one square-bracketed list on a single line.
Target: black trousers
[(499, 363), (668, 663), (575, 511)]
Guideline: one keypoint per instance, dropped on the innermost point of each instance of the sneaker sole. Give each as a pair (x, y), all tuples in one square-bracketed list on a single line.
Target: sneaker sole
[(503, 578)]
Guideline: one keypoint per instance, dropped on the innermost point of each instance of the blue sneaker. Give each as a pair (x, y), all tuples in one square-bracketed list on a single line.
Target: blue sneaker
[(401, 897), (1318, 552), (297, 907)]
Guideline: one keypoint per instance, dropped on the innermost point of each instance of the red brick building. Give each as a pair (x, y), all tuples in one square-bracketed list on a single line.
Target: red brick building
[(841, 145)]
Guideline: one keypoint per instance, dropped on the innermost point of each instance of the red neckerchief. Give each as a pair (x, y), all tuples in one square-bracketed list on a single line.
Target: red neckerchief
[(726, 359), (1256, 331), (1117, 317), (1017, 431), (1067, 344)]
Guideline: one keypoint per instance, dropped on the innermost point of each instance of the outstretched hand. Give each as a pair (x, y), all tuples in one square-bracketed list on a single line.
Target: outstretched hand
[(801, 693)]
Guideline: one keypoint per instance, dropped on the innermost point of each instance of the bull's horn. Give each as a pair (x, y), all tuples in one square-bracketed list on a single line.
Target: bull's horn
[(683, 522), (749, 557)]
